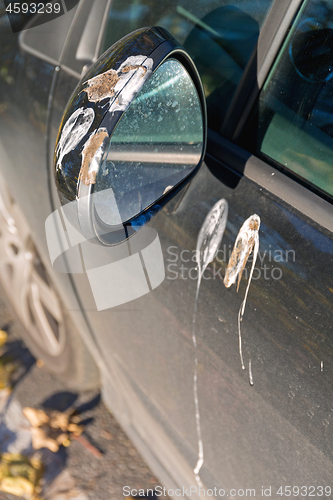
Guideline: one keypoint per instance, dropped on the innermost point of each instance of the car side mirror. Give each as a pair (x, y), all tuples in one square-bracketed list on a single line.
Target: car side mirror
[(133, 133)]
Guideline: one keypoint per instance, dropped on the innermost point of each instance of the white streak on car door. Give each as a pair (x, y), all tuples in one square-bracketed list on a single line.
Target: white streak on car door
[(208, 242), (247, 241)]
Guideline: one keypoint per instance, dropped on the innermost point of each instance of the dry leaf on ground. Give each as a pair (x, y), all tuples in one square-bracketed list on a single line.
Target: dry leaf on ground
[(37, 418), (52, 429), (7, 368), (3, 338), (40, 439), (20, 475)]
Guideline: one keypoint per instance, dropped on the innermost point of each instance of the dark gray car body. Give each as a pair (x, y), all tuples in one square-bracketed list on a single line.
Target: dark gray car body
[(274, 433)]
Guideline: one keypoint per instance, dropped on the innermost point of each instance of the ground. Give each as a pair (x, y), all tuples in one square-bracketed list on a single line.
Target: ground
[(74, 472)]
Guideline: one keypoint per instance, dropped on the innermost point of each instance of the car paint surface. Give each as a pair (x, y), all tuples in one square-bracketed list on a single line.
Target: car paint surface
[(275, 432)]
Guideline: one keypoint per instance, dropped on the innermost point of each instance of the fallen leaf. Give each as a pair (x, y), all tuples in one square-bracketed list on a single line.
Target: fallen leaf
[(59, 420), (75, 429), (54, 429), (41, 440), (18, 486), (3, 338), (63, 439), (37, 418), (7, 368), (20, 476), (75, 419)]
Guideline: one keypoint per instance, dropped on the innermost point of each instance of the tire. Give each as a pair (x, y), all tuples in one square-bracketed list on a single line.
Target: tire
[(48, 331)]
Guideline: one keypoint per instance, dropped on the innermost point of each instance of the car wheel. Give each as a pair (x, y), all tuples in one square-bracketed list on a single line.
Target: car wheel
[(48, 331)]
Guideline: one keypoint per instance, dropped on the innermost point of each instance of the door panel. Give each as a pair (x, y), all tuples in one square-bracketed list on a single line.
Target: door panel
[(25, 85), (268, 433)]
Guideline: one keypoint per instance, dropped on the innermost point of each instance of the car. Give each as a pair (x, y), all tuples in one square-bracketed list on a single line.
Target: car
[(166, 226)]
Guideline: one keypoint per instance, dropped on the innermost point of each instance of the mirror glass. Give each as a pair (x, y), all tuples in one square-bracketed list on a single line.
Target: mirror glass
[(156, 144)]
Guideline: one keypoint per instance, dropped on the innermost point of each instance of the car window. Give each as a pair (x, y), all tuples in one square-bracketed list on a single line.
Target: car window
[(294, 115), (219, 35), (47, 43)]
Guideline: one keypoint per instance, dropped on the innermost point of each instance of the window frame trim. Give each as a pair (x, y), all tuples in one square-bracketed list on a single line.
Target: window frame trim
[(284, 188)]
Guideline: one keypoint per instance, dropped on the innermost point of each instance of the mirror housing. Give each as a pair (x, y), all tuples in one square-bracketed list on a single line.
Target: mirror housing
[(97, 109)]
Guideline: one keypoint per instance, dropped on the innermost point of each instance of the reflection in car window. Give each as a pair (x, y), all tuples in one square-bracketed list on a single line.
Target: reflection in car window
[(294, 116), (220, 36)]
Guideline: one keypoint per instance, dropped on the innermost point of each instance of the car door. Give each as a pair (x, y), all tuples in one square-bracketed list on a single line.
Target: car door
[(214, 391)]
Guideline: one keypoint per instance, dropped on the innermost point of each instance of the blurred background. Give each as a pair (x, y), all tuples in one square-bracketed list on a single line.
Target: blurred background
[(96, 459)]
